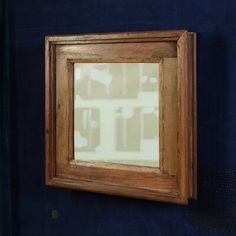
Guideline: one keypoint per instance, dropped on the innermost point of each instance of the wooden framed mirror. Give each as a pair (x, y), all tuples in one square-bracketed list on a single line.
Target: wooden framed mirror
[(120, 113)]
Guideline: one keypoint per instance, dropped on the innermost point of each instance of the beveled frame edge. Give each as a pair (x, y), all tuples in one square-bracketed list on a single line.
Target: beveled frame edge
[(112, 37), (185, 176)]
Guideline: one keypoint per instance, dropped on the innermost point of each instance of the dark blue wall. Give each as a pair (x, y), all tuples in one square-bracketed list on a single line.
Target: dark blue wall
[(82, 213)]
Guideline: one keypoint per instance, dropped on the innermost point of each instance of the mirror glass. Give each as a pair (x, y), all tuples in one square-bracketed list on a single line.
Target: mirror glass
[(116, 113)]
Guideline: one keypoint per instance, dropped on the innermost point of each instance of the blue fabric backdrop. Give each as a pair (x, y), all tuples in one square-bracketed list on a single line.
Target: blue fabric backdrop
[(42, 211), (7, 124)]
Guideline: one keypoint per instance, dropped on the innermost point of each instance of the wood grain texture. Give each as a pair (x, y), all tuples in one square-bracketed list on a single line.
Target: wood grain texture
[(109, 51), (50, 124), (183, 158), (142, 36), (168, 115), (175, 180)]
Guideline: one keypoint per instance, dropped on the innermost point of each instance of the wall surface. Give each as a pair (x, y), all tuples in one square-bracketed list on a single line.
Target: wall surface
[(41, 210)]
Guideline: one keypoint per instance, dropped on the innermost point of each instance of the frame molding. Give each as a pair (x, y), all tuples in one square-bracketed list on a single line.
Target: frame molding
[(175, 180)]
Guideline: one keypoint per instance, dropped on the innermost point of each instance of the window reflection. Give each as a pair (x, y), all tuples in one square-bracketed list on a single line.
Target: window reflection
[(116, 114)]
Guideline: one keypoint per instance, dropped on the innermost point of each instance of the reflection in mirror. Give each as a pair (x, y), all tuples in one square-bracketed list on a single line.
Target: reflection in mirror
[(116, 113)]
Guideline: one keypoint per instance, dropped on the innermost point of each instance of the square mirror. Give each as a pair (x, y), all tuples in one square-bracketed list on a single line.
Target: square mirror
[(120, 112)]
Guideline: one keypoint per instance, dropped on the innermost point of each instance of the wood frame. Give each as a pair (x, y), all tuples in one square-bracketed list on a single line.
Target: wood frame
[(176, 179)]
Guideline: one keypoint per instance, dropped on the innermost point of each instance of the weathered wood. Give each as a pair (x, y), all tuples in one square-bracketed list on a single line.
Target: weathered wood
[(156, 36), (168, 115), (182, 87), (109, 52)]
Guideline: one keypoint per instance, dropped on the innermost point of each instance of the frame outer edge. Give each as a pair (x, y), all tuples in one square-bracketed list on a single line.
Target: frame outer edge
[(182, 171)]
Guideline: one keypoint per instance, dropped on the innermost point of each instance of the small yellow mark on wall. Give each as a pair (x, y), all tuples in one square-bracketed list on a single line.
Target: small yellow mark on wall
[(54, 214)]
